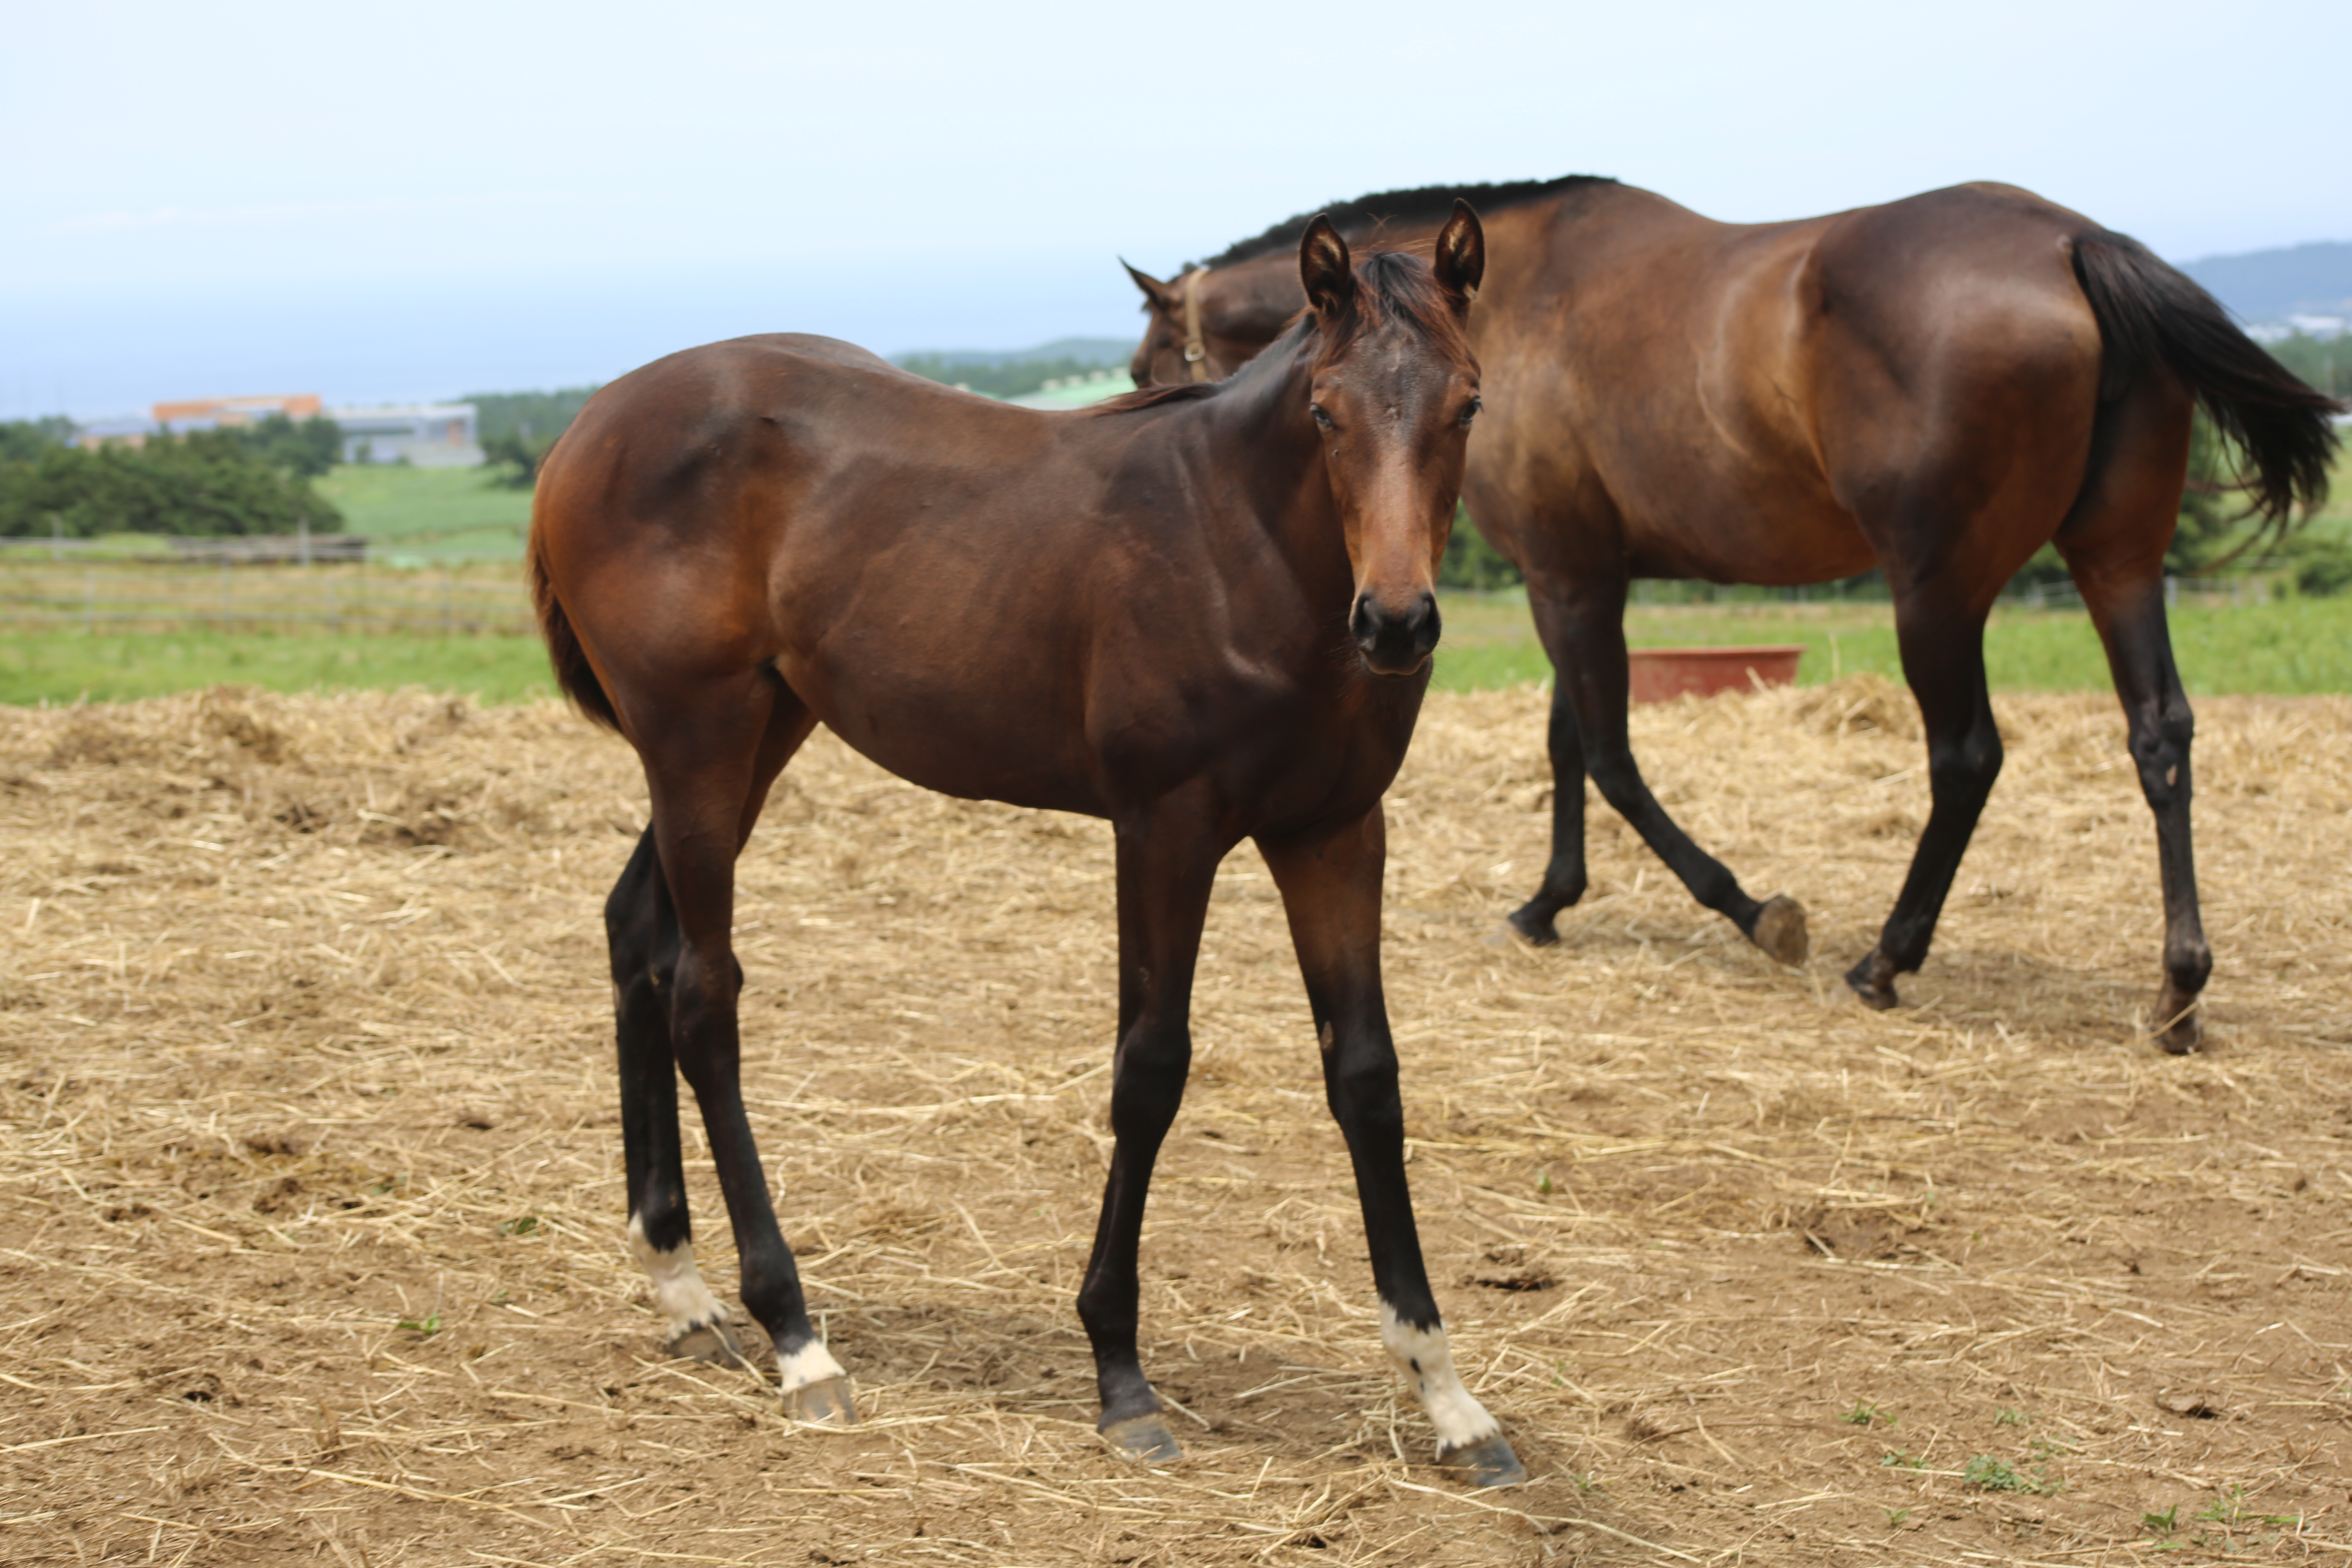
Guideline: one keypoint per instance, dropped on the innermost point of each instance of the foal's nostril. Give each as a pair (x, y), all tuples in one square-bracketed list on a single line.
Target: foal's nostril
[(1363, 622)]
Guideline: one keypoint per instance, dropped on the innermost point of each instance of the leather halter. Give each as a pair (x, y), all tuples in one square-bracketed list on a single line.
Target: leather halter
[(1196, 352)]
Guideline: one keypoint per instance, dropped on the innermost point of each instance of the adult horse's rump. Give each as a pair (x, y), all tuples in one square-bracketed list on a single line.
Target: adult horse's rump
[(1937, 387), (1205, 615)]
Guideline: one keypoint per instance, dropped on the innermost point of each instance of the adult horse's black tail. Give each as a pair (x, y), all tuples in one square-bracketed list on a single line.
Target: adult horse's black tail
[(2148, 312), (572, 670)]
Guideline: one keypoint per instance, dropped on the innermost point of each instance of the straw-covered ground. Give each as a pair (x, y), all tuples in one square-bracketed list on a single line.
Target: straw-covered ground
[(311, 1208)]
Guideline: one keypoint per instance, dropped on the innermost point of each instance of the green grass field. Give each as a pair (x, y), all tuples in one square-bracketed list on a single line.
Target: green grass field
[(2297, 646), (430, 514)]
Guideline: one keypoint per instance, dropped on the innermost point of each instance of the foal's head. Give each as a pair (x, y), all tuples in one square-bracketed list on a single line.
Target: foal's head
[(1393, 393)]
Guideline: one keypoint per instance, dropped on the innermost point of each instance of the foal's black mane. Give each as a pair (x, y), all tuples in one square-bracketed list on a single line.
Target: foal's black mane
[(1388, 285), (1423, 204)]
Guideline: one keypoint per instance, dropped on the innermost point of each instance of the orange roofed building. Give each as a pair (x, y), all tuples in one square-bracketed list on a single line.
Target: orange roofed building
[(213, 413)]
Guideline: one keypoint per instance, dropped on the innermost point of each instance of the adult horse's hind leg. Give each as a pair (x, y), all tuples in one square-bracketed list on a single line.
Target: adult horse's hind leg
[(1330, 886), (1943, 658), (1167, 863), (2113, 545), (710, 754), (2131, 622), (641, 930), (1581, 623)]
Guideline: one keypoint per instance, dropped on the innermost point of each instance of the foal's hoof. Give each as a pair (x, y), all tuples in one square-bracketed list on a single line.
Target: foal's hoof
[(824, 1403), (1532, 923), (2179, 1022), (1143, 1438), (1873, 981), (712, 1341), (1486, 1462), (1781, 930)]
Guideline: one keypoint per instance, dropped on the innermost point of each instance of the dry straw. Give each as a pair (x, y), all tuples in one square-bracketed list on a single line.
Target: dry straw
[(309, 1205)]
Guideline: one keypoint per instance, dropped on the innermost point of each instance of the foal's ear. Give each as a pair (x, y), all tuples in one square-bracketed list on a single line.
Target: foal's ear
[(1324, 268), (1156, 294), (1461, 259)]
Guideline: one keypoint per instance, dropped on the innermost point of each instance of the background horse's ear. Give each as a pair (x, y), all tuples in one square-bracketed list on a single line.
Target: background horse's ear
[(1324, 268), (1159, 294), (1461, 259)]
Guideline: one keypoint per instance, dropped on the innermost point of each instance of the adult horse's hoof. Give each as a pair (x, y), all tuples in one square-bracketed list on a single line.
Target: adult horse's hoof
[(1487, 1462), (1873, 981), (1781, 931), (1144, 1438), (712, 1341), (2179, 1022), (824, 1403), (1532, 922)]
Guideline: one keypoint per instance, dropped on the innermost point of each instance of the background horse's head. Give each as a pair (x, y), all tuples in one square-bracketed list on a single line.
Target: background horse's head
[(1393, 390), (1205, 323)]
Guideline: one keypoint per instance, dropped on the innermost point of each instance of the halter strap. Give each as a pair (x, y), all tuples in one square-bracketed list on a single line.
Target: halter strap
[(1196, 353)]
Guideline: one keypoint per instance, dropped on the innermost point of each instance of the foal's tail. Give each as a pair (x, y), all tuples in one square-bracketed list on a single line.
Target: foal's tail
[(2149, 311), (573, 671)]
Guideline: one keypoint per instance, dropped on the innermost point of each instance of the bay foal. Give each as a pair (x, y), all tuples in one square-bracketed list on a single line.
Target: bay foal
[(1936, 387), (1205, 614)]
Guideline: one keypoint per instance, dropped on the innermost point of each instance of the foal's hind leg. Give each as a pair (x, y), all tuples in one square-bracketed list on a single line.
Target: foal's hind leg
[(1943, 658), (710, 754), (641, 928), (1330, 886), (1583, 624)]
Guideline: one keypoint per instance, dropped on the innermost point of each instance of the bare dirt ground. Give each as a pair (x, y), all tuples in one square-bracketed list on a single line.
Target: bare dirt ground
[(311, 1208)]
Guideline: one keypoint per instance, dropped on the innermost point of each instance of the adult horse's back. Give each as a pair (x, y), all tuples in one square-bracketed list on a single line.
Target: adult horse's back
[(1205, 615), (1937, 387)]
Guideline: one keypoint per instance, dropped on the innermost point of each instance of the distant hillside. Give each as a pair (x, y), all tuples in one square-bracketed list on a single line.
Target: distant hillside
[(2271, 285), (1077, 351)]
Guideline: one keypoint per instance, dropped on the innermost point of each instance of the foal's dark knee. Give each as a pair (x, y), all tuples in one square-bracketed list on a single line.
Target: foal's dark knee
[(1148, 1080), (1362, 1091)]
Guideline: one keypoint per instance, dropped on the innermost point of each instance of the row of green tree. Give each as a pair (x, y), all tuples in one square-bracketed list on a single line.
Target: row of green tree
[(253, 478), (1013, 378)]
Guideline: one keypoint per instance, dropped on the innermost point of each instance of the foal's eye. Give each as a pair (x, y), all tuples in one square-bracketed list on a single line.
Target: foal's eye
[(1322, 417), (1472, 412)]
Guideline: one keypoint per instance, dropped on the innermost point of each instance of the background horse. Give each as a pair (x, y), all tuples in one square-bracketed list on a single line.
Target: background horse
[(1205, 614), (1935, 387)]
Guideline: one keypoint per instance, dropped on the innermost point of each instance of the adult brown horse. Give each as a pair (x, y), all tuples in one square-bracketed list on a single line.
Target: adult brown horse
[(1205, 614), (1935, 387)]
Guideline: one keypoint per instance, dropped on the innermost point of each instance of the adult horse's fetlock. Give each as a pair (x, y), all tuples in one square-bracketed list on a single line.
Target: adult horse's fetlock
[(1532, 921), (1874, 980), (1780, 929)]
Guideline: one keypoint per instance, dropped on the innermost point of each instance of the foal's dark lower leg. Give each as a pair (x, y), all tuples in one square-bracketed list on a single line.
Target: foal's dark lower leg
[(1331, 890), (641, 928), (1165, 871), (1943, 658)]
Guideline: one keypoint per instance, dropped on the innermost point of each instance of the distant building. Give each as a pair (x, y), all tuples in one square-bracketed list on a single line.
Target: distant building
[(426, 435), (226, 412), (196, 414)]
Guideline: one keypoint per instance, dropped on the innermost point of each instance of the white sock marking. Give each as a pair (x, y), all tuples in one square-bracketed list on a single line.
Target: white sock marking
[(810, 1364), (1422, 1355), (679, 1294)]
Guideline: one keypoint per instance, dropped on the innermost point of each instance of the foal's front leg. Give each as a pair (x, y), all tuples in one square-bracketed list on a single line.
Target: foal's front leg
[(1330, 886), (1167, 863)]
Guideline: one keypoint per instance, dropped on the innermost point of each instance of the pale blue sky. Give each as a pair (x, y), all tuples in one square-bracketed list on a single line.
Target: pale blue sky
[(434, 198)]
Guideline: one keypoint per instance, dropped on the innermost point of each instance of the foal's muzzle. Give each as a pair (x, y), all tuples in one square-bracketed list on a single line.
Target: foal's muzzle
[(1394, 642)]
